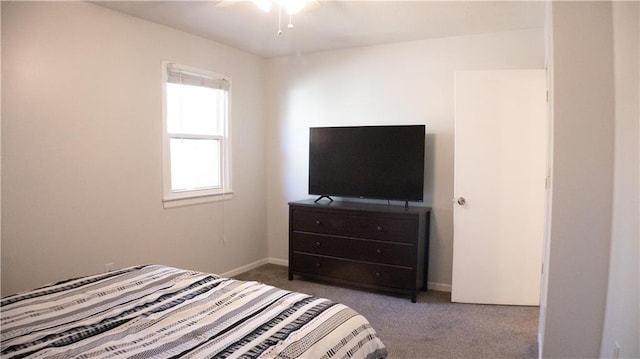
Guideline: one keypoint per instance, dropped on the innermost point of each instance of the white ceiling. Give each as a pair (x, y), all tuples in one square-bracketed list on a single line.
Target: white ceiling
[(334, 24)]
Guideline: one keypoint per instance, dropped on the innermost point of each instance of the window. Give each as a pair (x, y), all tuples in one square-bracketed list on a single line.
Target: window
[(196, 141)]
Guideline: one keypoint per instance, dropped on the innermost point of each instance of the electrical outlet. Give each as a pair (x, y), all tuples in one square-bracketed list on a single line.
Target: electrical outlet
[(616, 350), (108, 267)]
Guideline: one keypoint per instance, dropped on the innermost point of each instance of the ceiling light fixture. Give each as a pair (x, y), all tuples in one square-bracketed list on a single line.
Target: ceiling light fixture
[(291, 7)]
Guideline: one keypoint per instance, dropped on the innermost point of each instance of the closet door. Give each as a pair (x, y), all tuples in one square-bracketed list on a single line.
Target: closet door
[(500, 174)]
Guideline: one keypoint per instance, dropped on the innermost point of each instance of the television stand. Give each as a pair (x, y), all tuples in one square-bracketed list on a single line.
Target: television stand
[(323, 196), (360, 244)]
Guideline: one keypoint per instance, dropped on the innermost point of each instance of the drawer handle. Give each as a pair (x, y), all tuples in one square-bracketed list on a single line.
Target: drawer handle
[(378, 251), (317, 264), (380, 228), (318, 244), (377, 274), (319, 222)]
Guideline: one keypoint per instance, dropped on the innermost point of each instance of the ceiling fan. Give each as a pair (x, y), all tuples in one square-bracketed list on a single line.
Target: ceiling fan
[(291, 7)]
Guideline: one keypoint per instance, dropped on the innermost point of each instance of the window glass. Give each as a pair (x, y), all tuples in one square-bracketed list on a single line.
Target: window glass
[(194, 109), (195, 164)]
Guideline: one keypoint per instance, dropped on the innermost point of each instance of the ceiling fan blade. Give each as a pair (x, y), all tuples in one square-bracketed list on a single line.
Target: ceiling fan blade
[(308, 4)]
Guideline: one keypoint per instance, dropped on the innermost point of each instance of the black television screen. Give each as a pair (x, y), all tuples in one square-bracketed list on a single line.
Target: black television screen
[(377, 162)]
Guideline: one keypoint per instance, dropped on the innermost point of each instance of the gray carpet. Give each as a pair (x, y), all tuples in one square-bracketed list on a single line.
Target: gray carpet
[(431, 328)]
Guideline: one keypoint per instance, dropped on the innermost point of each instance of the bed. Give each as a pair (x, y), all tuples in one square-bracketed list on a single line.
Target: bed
[(165, 312)]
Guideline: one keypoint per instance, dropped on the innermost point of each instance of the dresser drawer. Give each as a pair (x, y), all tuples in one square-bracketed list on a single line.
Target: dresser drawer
[(357, 249), (371, 227), (363, 244), (352, 271)]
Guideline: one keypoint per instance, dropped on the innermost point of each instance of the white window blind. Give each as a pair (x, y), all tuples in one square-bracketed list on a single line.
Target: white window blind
[(180, 75)]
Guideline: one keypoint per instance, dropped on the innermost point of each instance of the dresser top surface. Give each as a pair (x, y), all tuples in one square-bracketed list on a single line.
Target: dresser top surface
[(360, 206)]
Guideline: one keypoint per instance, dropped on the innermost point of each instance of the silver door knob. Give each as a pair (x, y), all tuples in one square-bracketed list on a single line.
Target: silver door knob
[(462, 201)]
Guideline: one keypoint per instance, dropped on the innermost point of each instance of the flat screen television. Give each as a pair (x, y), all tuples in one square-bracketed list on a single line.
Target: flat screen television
[(376, 162)]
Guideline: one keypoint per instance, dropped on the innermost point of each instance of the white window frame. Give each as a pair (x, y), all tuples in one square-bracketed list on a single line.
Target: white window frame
[(188, 197)]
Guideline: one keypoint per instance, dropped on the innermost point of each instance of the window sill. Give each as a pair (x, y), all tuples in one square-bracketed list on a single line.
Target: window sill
[(190, 201)]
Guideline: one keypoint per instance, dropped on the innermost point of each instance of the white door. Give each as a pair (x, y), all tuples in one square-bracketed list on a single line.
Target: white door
[(499, 186)]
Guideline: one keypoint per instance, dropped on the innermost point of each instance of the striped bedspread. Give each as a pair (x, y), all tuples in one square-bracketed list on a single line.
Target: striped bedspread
[(164, 312)]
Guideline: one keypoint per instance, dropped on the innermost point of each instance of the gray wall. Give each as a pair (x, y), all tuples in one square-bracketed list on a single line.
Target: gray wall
[(594, 66), (623, 300), (402, 83), (81, 148)]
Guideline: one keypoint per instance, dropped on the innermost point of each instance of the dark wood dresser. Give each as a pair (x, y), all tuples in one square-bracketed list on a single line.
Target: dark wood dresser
[(367, 245)]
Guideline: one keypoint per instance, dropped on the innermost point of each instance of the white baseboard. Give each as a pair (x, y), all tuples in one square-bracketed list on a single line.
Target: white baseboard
[(245, 268), (439, 287), (254, 265), (283, 262), (278, 261)]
